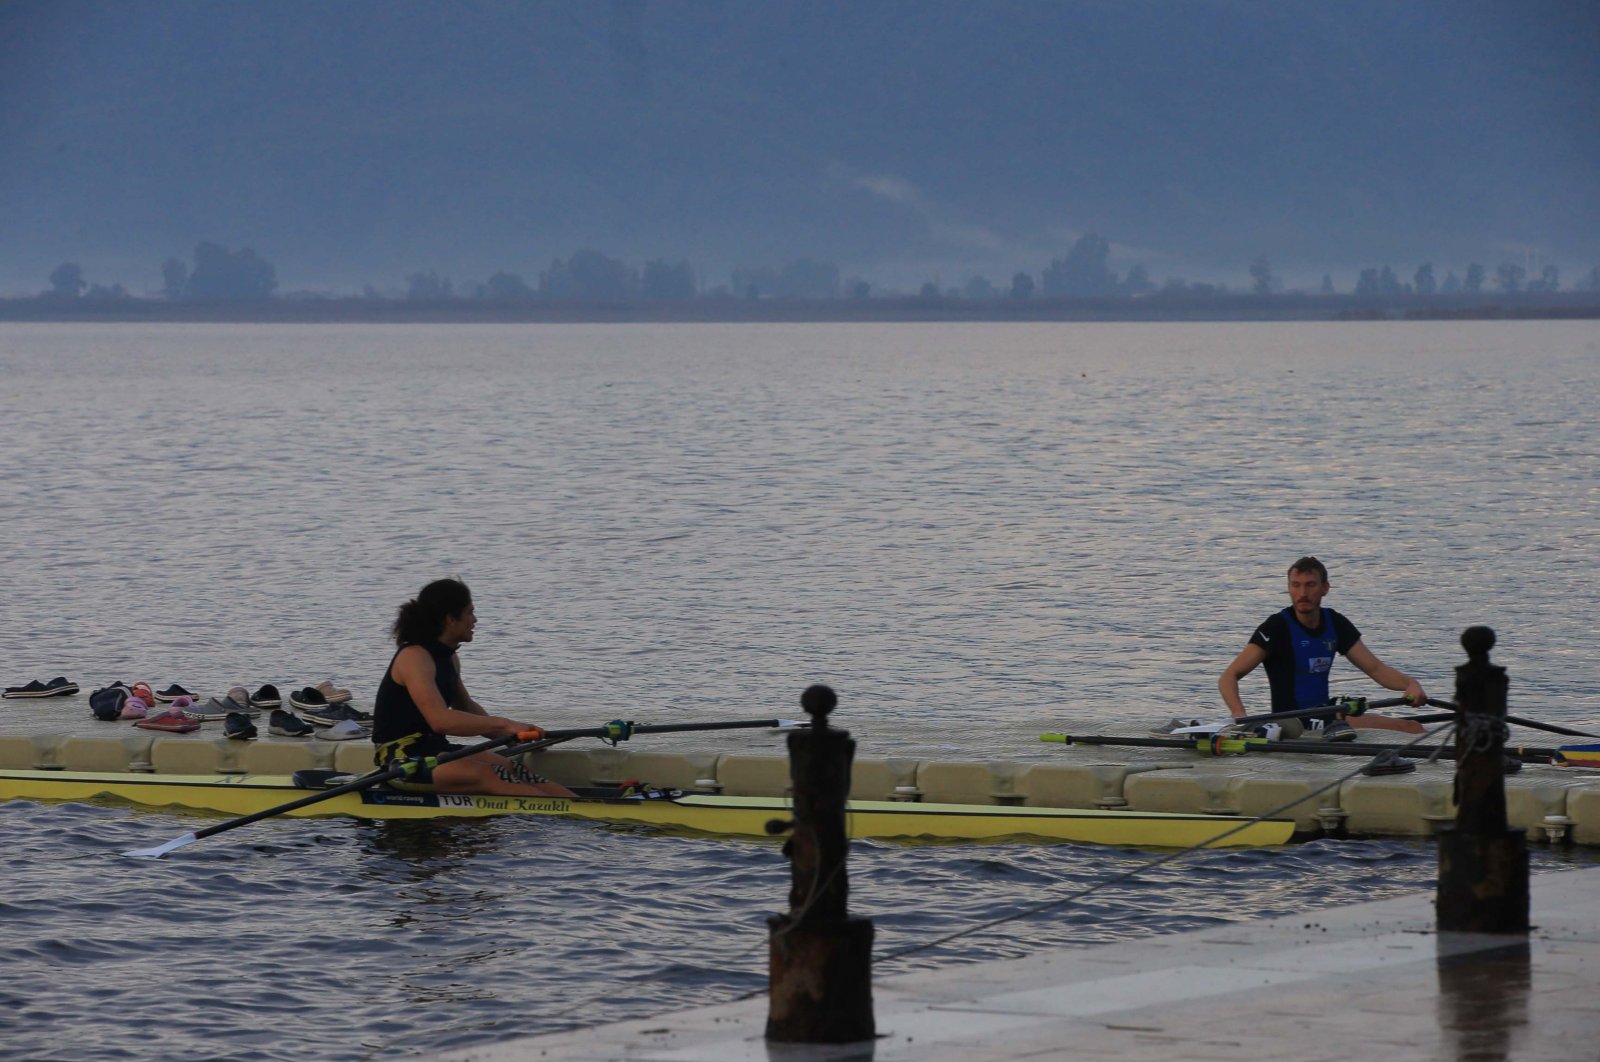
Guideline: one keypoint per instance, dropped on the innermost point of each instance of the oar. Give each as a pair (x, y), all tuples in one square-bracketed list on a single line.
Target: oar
[(1350, 707), (616, 731), (1531, 724), (1235, 745)]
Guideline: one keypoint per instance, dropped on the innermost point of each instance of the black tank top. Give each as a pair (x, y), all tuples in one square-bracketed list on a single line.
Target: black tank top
[(395, 714)]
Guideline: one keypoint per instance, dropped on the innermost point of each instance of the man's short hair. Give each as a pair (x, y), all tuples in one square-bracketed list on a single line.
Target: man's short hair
[(1309, 564)]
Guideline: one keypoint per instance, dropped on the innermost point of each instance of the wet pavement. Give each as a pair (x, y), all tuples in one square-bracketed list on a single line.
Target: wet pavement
[(1370, 980)]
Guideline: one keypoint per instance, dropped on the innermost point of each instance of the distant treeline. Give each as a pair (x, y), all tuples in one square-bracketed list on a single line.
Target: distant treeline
[(223, 284)]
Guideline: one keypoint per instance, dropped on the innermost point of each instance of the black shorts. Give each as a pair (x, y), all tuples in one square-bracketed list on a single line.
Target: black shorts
[(418, 748)]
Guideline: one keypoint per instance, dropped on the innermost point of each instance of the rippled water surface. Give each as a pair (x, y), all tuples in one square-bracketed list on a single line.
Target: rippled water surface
[(973, 532)]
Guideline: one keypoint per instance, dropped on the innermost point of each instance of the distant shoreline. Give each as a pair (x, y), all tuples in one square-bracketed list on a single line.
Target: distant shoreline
[(311, 310)]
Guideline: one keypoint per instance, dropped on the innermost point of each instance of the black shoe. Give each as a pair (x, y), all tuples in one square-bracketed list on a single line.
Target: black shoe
[(266, 697), (1338, 730), (238, 726), (311, 705), (172, 693), (287, 724), (1388, 762), (309, 698)]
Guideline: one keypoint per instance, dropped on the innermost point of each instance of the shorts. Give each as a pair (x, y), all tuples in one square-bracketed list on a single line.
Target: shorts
[(420, 749)]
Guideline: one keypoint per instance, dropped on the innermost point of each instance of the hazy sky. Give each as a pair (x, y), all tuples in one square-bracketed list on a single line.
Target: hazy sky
[(359, 141)]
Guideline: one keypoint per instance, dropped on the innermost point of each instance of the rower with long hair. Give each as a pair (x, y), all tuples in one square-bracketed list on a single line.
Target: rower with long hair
[(422, 702)]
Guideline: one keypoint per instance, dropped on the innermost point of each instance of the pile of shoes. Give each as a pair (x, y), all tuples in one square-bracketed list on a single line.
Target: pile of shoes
[(323, 710), (56, 687), (137, 702), (327, 707)]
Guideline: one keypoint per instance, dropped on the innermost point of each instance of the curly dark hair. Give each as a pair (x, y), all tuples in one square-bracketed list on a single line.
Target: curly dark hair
[(422, 618)]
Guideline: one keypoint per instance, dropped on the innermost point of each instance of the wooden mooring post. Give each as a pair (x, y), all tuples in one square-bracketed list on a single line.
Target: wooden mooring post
[(820, 958), (1483, 865)]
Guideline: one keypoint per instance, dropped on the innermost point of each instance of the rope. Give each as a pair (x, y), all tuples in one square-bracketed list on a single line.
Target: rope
[(1479, 733)]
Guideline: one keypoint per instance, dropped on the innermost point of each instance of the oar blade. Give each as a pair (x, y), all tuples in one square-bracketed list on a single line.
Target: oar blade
[(162, 849)]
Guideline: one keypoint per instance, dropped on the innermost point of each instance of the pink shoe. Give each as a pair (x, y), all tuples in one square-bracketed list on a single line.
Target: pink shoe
[(134, 708), (169, 721), (182, 705)]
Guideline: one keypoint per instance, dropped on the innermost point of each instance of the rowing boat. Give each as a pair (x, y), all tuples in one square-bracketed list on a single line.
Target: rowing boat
[(246, 794)]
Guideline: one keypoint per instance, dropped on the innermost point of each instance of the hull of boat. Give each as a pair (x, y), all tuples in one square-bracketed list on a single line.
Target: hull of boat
[(741, 816)]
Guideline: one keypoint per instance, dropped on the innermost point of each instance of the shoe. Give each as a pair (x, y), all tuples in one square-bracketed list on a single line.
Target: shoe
[(333, 694), (172, 693), (238, 726), (237, 700), (287, 724), (1388, 762), (1338, 730), (134, 707), (169, 722), (332, 715), (308, 697), (1172, 726), (143, 691), (344, 731), (106, 704), (56, 687), (184, 705), (266, 697)]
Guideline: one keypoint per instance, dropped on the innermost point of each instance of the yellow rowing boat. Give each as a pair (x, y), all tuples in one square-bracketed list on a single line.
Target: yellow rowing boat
[(247, 794)]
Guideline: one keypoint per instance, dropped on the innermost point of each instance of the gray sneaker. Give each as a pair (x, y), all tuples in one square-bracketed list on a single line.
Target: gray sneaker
[(1172, 726), (331, 715), (345, 731), (237, 700), (1338, 730)]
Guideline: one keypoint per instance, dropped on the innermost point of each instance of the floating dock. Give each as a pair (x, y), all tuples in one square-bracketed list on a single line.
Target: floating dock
[(1372, 980), (1324, 795)]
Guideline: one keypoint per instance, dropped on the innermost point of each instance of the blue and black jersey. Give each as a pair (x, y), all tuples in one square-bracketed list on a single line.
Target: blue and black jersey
[(1298, 660)]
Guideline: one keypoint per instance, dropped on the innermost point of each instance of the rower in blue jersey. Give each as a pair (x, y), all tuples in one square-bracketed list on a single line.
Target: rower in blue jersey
[(1298, 646)]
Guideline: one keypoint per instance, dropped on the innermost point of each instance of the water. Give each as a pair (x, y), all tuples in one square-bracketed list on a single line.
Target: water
[(974, 532)]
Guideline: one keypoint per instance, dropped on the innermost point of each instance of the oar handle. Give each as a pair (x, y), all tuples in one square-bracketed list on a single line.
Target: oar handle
[(1325, 709)]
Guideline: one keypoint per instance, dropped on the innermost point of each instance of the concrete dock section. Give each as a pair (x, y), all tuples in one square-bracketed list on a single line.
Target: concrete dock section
[(1361, 981)]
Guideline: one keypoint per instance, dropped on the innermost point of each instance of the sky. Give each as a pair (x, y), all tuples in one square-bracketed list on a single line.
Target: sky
[(355, 142)]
